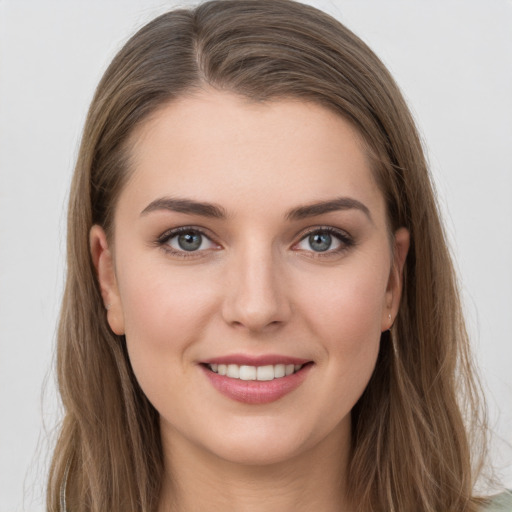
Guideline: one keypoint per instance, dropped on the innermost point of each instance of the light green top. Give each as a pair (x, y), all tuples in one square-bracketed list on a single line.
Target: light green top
[(500, 503)]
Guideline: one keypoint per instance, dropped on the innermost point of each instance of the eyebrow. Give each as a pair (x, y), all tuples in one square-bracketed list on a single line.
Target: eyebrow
[(190, 206), (332, 205), (186, 206)]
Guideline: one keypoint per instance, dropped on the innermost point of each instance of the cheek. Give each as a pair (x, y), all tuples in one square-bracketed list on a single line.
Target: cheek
[(348, 306), (345, 315), (165, 308), (165, 312)]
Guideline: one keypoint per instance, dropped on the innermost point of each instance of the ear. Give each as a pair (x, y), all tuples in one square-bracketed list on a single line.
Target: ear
[(105, 271), (395, 283)]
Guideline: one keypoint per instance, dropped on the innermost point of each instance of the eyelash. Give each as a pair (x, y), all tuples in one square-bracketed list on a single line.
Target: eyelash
[(346, 241), (164, 238), (344, 238)]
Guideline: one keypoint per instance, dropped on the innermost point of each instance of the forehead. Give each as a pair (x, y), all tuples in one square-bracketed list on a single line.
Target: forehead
[(248, 156)]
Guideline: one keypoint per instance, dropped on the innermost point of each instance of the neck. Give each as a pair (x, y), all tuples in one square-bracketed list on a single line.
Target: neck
[(198, 480)]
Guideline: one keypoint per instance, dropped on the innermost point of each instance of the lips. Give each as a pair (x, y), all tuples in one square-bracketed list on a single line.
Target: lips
[(262, 360), (256, 380)]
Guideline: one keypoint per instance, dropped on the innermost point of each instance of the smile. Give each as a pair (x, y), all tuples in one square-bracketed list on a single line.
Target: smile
[(258, 373), (256, 380)]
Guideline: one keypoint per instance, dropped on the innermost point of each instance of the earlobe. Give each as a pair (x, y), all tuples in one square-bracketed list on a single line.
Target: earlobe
[(395, 283), (105, 272)]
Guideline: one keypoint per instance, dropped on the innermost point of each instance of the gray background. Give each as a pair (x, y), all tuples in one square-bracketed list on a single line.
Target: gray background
[(453, 60)]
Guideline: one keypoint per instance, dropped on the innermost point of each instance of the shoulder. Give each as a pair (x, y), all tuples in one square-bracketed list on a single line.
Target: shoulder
[(499, 503)]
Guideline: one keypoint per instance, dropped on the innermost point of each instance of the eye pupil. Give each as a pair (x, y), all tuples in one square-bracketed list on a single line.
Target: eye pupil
[(189, 241), (320, 241)]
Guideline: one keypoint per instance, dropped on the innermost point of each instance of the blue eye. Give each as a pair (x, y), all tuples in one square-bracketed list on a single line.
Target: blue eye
[(320, 242), (185, 240), (325, 240), (189, 241)]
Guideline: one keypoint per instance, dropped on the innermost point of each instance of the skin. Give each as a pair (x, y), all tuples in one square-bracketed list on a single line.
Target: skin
[(255, 286)]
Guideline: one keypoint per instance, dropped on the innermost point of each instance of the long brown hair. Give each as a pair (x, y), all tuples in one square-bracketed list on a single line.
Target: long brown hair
[(414, 425)]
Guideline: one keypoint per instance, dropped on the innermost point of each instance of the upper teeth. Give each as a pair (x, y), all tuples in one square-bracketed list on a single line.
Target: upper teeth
[(243, 372)]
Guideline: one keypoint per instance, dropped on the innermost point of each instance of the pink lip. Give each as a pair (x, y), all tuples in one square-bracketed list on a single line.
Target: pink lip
[(253, 391), (263, 360)]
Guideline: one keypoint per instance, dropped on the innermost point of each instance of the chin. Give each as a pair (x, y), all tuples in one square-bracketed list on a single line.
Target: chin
[(265, 441), (258, 452)]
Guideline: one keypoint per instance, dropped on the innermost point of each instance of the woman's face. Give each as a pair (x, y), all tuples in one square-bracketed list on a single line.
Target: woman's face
[(250, 239)]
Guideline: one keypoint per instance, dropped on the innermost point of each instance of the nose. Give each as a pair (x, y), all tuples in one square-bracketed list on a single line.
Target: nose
[(256, 295)]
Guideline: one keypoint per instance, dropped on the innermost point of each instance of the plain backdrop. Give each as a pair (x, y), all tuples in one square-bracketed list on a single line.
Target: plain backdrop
[(453, 60)]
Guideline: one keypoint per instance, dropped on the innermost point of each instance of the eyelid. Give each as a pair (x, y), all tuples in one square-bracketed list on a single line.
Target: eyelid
[(163, 239), (344, 238)]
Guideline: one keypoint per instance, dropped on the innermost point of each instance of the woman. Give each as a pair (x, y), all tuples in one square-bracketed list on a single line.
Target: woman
[(260, 311)]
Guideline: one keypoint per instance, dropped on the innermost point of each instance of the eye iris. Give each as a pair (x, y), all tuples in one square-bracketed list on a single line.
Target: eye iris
[(320, 241), (189, 241)]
